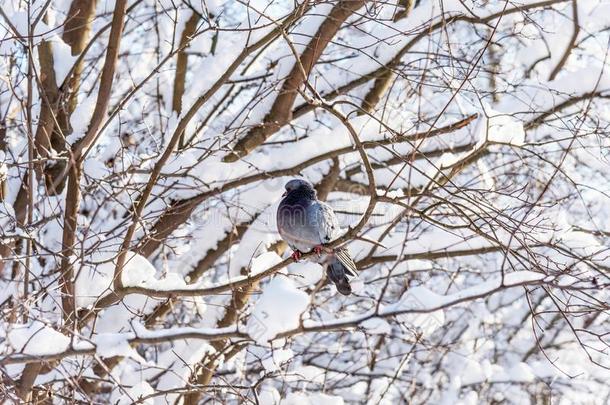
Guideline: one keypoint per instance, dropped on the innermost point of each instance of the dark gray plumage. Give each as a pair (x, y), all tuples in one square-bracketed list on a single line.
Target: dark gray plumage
[(306, 224)]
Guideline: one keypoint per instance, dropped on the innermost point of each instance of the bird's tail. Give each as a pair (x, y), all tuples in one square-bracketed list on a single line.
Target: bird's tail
[(339, 267)]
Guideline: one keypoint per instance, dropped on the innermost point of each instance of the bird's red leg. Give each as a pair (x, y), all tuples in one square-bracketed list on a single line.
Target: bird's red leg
[(318, 249), (296, 255)]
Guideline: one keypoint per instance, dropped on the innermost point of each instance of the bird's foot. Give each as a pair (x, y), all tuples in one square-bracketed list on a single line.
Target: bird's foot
[(319, 249), (296, 255)]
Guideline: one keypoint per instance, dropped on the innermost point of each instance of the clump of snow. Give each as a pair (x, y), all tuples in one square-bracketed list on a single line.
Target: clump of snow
[(470, 370), (268, 395), (94, 280), (37, 339), (448, 159), (79, 120), (277, 310), (420, 299), (275, 360), (305, 273), (137, 271), (357, 286), (179, 363), (311, 374), (521, 372), (264, 261), (22, 23), (62, 59), (376, 326), (498, 127), (135, 393), (95, 168), (115, 344), (302, 398)]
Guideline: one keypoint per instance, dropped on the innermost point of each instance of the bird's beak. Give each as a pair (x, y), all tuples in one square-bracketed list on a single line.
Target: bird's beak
[(285, 193)]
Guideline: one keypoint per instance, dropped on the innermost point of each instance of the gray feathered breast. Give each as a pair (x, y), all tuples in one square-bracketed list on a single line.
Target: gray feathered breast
[(306, 224)]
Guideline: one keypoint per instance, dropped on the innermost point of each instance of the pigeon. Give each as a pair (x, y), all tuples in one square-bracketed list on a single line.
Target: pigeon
[(306, 224)]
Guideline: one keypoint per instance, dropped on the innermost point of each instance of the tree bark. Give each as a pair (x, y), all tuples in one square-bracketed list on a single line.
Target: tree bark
[(78, 24)]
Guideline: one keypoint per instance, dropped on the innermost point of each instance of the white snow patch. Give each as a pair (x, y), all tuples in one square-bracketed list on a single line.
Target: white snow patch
[(419, 299), (277, 310), (306, 273), (62, 59), (137, 270), (115, 344), (302, 398), (264, 261), (135, 393), (268, 396), (37, 339), (94, 280), (79, 120), (278, 356), (498, 127), (311, 374), (376, 326)]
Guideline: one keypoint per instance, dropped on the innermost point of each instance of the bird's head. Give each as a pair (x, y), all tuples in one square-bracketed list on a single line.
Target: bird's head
[(299, 186)]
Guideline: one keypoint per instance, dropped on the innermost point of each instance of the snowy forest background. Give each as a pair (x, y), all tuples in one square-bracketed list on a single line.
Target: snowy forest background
[(144, 145)]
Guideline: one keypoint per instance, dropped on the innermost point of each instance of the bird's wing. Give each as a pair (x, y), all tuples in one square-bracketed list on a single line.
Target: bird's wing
[(342, 254), (326, 222), (329, 229)]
